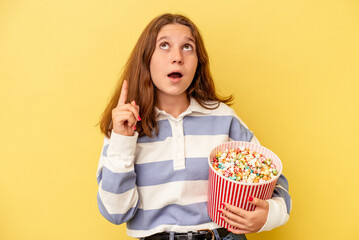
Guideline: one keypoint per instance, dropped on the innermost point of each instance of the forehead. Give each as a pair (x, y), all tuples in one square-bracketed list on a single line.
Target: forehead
[(175, 30)]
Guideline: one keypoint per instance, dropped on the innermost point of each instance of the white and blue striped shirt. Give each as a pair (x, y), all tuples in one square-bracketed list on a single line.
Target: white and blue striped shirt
[(160, 184)]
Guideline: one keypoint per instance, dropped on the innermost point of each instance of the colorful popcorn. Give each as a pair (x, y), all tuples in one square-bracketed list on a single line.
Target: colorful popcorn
[(244, 165)]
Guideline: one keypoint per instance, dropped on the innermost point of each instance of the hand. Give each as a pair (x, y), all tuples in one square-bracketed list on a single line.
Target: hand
[(125, 115), (246, 221)]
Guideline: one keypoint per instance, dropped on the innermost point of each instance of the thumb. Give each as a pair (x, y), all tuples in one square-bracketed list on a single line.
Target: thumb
[(258, 202), (133, 103)]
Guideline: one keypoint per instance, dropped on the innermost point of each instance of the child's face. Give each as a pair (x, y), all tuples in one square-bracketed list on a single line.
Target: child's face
[(174, 61)]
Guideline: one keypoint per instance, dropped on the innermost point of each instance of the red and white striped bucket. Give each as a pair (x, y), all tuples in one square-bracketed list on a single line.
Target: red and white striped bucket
[(222, 189)]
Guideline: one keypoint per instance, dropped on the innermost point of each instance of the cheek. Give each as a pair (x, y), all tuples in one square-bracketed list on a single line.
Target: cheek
[(152, 69), (194, 65), (155, 66), (194, 61)]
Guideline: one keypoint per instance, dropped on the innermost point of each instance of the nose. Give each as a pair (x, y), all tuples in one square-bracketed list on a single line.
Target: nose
[(177, 56)]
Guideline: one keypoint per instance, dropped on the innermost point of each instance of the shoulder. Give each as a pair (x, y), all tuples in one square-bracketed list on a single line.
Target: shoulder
[(225, 110), (222, 109)]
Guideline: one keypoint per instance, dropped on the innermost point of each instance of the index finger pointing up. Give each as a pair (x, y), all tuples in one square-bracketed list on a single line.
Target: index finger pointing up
[(123, 94)]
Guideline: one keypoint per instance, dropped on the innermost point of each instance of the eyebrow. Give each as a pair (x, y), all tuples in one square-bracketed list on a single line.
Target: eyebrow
[(189, 39)]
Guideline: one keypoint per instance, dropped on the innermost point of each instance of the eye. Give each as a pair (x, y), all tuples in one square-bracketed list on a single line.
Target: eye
[(187, 47), (164, 45)]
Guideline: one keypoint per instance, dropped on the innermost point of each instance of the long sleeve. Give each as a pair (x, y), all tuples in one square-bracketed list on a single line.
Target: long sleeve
[(117, 195), (280, 204)]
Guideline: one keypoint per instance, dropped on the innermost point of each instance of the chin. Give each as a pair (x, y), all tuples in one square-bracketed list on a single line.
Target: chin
[(174, 93)]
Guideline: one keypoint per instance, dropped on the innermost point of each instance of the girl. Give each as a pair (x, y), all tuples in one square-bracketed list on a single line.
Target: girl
[(160, 125)]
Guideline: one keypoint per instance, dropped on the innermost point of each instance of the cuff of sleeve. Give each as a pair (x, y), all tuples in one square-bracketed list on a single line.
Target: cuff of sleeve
[(276, 216), (121, 152), (122, 146)]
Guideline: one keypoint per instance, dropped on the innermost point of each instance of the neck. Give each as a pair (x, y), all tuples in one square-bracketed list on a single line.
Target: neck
[(173, 105)]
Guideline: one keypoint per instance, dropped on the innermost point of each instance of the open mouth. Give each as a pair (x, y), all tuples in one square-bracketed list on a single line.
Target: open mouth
[(175, 75)]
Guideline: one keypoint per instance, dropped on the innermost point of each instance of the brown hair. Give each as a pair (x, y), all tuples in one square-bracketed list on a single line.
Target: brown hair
[(140, 85)]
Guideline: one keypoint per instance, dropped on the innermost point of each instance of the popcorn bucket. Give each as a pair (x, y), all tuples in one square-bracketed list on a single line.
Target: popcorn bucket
[(222, 189)]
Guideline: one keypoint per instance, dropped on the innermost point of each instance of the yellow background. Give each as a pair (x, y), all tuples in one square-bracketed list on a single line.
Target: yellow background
[(292, 65)]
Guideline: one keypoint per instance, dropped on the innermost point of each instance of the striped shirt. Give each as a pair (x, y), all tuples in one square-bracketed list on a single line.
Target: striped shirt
[(160, 184)]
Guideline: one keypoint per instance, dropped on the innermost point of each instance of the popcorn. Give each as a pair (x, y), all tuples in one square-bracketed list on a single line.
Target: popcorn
[(244, 165), (249, 172)]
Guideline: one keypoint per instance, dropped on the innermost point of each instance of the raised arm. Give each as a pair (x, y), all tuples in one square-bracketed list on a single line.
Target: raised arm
[(117, 193)]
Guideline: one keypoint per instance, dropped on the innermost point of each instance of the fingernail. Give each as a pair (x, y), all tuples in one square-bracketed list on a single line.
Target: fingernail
[(250, 198), (219, 210), (134, 102), (134, 127), (139, 118), (223, 205)]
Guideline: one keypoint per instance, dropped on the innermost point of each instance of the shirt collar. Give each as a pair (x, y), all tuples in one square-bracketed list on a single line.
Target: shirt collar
[(194, 106)]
